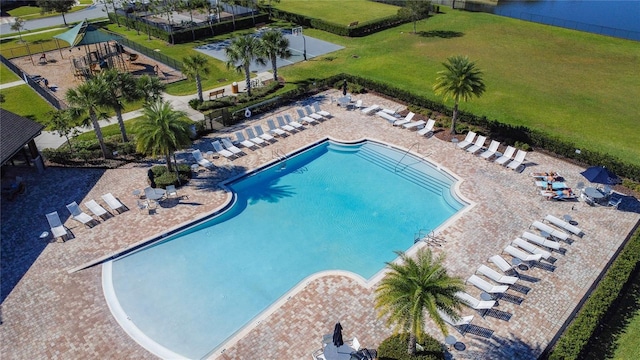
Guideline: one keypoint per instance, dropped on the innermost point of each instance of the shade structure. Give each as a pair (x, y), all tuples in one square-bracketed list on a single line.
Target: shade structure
[(86, 34), (337, 335), (600, 175)]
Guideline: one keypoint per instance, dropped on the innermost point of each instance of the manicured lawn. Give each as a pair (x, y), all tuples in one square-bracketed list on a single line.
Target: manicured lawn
[(338, 11), (41, 42), (6, 75), (33, 12), (23, 101), (578, 86)]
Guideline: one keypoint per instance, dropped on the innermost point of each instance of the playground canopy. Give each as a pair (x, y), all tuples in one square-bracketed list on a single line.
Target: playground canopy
[(86, 34)]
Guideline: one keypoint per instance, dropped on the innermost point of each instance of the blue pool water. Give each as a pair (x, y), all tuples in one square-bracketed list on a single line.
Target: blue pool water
[(334, 207)]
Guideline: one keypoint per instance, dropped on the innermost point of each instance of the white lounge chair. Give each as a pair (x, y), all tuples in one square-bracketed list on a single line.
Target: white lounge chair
[(468, 140), (57, 229), (171, 191), (326, 114), (508, 154), (493, 147), (427, 129), (253, 138), (290, 121), (564, 225), (80, 215), (201, 160), (517, 253), (527, 246), (406, 119), (475, 303), (414, 124), (518, 160), (537, 239), (303, 118), (478, 145), (273, 129), (370, 110), (549, 230), (463, 320), (284, 125), (235, 151), (496, 276), (314, 114), (262, 134), (556, 185), (501, 263), (242, 140), (97, 209), (486, 286), (113, 203), (385, 115)]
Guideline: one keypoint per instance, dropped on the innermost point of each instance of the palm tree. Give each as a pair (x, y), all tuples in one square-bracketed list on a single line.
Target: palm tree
[(118, 89), (461, 80), (415, 288), (194, 67), (150, 88), (275, 45), (161, 131), (241, 52), (86, 97)]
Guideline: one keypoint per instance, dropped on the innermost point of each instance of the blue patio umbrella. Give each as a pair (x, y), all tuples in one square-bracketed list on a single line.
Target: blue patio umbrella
[(337, 335), (600, 175)]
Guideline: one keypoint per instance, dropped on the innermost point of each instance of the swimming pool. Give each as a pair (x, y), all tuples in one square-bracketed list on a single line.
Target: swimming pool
[(332, 206)]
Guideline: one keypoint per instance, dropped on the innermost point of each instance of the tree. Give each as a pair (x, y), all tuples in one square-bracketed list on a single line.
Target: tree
[(64, 123), (275, 45), (415, 288), (118, 89), (150, 88), (241, 52), (161, 131), (415, 10), (18, 25), (461, 81), (86, 98), (61, 6), (194, 67)]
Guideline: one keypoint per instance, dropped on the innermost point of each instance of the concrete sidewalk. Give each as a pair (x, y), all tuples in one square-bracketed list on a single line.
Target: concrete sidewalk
[(49, 139)]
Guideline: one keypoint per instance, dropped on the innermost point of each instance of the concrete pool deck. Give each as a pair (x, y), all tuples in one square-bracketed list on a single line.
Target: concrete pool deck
[(48, 312)]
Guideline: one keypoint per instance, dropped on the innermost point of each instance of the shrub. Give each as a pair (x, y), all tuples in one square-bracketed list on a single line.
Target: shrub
[(195, 103), (522, 146), (395, 348), (602, 299), (162, 177)]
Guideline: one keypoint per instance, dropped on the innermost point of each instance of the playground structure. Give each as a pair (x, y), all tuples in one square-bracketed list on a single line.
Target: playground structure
[(107, 55)]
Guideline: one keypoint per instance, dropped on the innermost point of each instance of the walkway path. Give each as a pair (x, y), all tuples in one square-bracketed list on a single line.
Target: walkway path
[(49, 139)]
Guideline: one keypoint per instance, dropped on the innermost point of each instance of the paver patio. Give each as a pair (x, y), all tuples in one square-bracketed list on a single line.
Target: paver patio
[(49, 312)]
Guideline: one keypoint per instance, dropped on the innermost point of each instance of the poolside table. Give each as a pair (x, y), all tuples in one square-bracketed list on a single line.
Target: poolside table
[(155, 194), (594, 194), (331, 352)]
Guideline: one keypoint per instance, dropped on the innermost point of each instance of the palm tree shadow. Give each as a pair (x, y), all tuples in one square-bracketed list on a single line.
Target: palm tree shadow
[(270, 193), (496, 347), (444, 34)]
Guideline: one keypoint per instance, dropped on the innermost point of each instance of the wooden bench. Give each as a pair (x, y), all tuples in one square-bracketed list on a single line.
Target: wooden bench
[(216, 93)]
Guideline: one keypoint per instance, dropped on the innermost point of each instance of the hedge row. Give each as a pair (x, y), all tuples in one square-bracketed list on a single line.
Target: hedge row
[(577, 335), (395, 348), (359, 30), (509, 134), (190, 34)]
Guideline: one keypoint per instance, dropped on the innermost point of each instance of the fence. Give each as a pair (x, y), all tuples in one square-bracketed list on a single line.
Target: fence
[(36, 84), (152, 54)]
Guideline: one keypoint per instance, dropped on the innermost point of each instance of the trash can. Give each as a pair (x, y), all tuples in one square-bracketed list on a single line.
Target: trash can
[(234, 88)]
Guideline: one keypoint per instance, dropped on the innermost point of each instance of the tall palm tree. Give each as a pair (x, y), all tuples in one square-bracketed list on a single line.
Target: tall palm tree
[(461, 81), (415, 288), (118, 89), (150, 88), (194, 67), (241, 52), (86, 97), (161, 131), (275, 45)]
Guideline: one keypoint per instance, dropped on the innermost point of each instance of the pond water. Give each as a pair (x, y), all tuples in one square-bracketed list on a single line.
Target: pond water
[(618, 18)]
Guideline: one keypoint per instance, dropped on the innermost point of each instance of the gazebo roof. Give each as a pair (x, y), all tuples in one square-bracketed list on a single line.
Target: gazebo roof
[(15, 132), (85, 34)]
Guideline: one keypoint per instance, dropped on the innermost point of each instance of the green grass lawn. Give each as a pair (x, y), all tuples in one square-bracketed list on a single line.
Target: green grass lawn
[(33, 12), (338, 11), (23, 101), (578, 86), (6, 75), (40, 42)]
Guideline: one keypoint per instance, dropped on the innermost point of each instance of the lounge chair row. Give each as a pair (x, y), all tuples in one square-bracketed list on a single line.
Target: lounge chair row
[(474, 146), (424, 128), (59, 231)]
